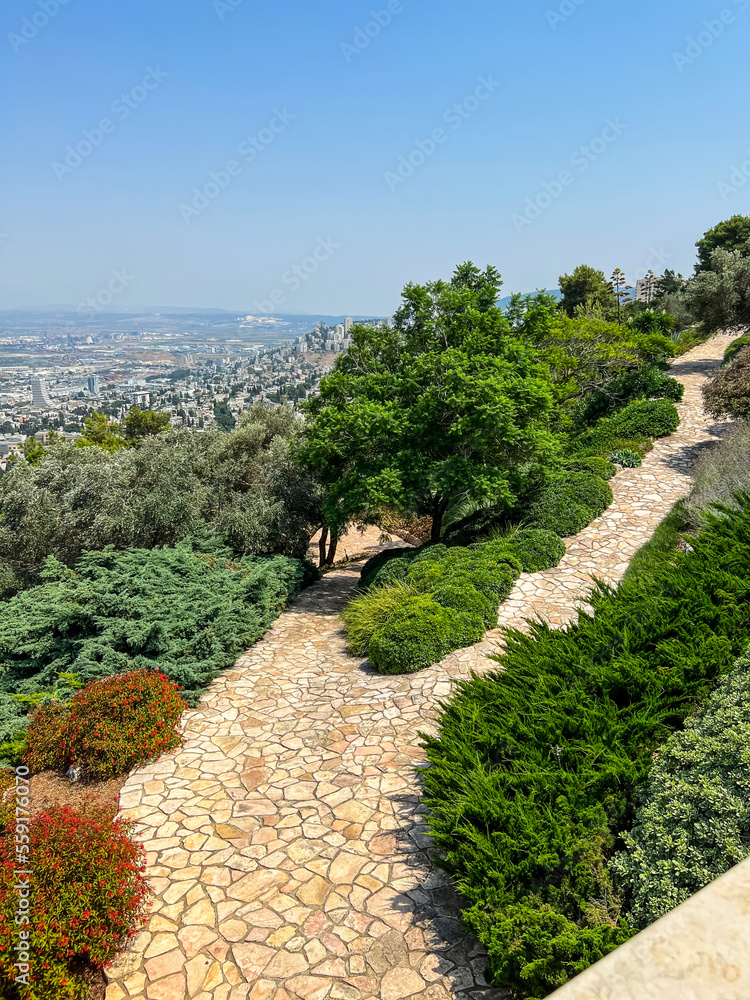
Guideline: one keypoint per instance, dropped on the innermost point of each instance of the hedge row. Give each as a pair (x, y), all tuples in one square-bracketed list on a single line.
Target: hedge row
[(422, 604), (693, 819), (535, 770)]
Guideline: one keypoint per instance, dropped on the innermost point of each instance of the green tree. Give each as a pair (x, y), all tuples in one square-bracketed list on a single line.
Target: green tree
[(720, 297), (141, 424), (223, 416), (446, 405), (587, 286), (102, 433), (732, 234)]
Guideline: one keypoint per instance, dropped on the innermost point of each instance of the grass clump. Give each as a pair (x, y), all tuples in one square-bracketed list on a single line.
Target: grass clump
[(370, 611)]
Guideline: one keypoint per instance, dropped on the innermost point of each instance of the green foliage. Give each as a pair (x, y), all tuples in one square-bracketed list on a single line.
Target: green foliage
[(535, 768), (587, 286), (720, 296), (373, 565), (462, 595), (186, 612), (102, 433), (109, 727), (654, 321), (693, 819), (141, 424), (731, 234), (599, 466), (223, 416), (661, 546), (568, 503), (728, 392), (245, 484), (421, 633), (627, 458), (735, 347), (720, 472), (370, 610), (637, 422), (446, 406), (646, 382), (537, 549)]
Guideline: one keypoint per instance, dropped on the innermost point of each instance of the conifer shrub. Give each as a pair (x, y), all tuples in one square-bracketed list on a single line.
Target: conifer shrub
[(421, 633), (566, 505), (535, 770), (462, 595), (109, 727), (693, 818), (88, 896), (537, 549), (601, 467)]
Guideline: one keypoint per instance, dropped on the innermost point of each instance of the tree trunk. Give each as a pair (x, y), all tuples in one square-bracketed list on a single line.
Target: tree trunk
[(332, 548), (322, 547), (438, 513)]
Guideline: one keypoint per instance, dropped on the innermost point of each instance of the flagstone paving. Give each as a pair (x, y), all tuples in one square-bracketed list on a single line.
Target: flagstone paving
[(287, 849)]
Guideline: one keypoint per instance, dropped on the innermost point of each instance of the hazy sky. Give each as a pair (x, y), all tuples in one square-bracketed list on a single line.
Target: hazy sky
[(205, 150)]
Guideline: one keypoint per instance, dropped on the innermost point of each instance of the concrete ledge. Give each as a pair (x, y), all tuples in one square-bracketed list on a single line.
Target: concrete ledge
[(700, 951)]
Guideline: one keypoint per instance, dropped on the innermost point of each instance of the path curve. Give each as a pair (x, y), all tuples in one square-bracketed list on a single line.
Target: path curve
[(287, 849)]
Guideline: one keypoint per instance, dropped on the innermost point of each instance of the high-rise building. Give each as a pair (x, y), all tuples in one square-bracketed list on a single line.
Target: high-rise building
[(39, 395), (348, 324), (94, 385)]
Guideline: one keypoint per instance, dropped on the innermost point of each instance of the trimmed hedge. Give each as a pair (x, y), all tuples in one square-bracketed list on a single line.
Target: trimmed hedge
[(535, 769), (420, 633), (637, 423), (601, 467), (693, 820), (377, 562), (567, 505), (537, 549), (643, 383)]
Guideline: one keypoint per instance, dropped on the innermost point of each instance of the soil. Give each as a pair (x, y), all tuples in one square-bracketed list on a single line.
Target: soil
[(53, 789)]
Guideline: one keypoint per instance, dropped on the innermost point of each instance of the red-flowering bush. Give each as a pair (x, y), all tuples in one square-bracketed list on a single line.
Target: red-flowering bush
[(86, 897), (109, 727)]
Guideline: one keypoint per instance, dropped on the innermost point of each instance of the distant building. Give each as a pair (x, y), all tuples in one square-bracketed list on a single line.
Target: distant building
[(39, 395), (140, 398), (348, 324), (94, 385)]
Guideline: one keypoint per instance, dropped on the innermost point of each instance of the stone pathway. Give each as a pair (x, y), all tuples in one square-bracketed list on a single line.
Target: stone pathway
[(287, 850)]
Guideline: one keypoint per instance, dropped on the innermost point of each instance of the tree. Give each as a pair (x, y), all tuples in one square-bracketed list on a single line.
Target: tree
[(728, 392), (141, 424), (444, 406), (732, 234), (585, 286), (101, 433), (620, 290), (223, 416), (720, 297)]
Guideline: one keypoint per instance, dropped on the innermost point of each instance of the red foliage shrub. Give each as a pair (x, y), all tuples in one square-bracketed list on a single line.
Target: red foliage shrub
[(87, 896), (109, 727)]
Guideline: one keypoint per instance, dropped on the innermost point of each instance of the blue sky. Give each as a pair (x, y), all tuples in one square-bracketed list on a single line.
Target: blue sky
[(305, 113)]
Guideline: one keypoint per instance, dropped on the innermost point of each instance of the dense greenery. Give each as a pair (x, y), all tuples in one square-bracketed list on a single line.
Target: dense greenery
[(535, 769), (731, 234), (728, 392), (447, 405), (187, 611), (245, 484), (693, 819), (567, 503)]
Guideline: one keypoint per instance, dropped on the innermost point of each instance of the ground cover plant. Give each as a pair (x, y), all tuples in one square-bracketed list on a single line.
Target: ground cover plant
[(186, 611), (88, 896), (535, 770), (720, 471), (693, 818)]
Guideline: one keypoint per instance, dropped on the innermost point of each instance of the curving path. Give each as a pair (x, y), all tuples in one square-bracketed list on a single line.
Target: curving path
[(286, 847)]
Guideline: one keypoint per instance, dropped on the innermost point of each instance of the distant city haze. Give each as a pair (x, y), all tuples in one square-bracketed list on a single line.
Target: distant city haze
[(316, 158)]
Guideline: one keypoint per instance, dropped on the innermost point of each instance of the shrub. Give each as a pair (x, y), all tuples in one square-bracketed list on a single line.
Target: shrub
[(422, 633), (376, 562), (644, 382), (661, 546), (693, 820), (534, 770), (109, 727), (537, 549), (567, 505), (392, 571), (369, 611), (720, 472), (88, 896), (599, 466), (735, 347), (185, 611), (7, 797), (463, 596), (728, 392), (636, 423), (627, 458)]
